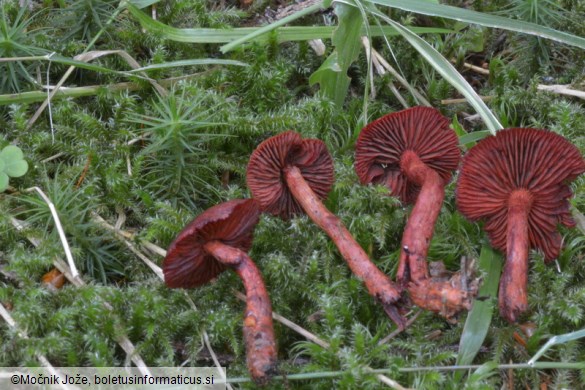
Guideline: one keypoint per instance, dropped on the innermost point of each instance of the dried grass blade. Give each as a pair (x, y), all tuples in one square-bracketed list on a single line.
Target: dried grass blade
[(59, 227)]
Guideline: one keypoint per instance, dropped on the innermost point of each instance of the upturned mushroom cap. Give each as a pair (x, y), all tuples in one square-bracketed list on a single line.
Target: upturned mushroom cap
[(538, 161), (381, 144), (187, 264), (265, 177)]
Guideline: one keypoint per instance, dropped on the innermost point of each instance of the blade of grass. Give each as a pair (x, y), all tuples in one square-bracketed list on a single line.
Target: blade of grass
[(299, 14), (143, 3), (175, 64), (483, 19), (39, 96), (283, 34), (484, 371), (479, 318), (333, 374), (63, 92), (446, 70), (555, 340), (473, 137), (63, 61), (80, 62)]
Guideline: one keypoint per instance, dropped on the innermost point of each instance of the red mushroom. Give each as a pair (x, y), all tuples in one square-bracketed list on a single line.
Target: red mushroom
[(288, 175), (218, 239), (517, 182), (414, 152)]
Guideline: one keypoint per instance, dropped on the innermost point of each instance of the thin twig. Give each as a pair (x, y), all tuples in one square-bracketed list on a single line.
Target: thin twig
[(318, 46), (398, 331), (137, 139), (476, 69), (129, 165), (390, 382), (92, 55), (557, 88), (381, 70), (155, 268), (562, 90), (53, 157), (152, 265), (121, 217), (84, 172)]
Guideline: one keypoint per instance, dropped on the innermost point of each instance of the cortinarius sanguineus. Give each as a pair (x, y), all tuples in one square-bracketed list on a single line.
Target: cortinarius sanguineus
[(289, 175), (517, 182), (218, 239), (413, 152)]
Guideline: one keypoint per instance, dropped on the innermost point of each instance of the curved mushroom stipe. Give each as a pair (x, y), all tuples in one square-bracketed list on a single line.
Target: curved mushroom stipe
[(258, 327), (414, 152), (421, 223), (517, 182), (287, 175), (214, 241)]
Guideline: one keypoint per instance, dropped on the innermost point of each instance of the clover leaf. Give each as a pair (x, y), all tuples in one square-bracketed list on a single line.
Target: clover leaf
[(12, 164)]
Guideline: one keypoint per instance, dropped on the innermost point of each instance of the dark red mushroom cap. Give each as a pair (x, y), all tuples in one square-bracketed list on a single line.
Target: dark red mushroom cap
[(187, 264), (422, 130), (538, 161), (266, 180)]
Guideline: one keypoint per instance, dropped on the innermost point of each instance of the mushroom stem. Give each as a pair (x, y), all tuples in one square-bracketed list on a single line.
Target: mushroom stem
[(513, 296), (377, 283), (258, 328), (419, 228), (443, 297)]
